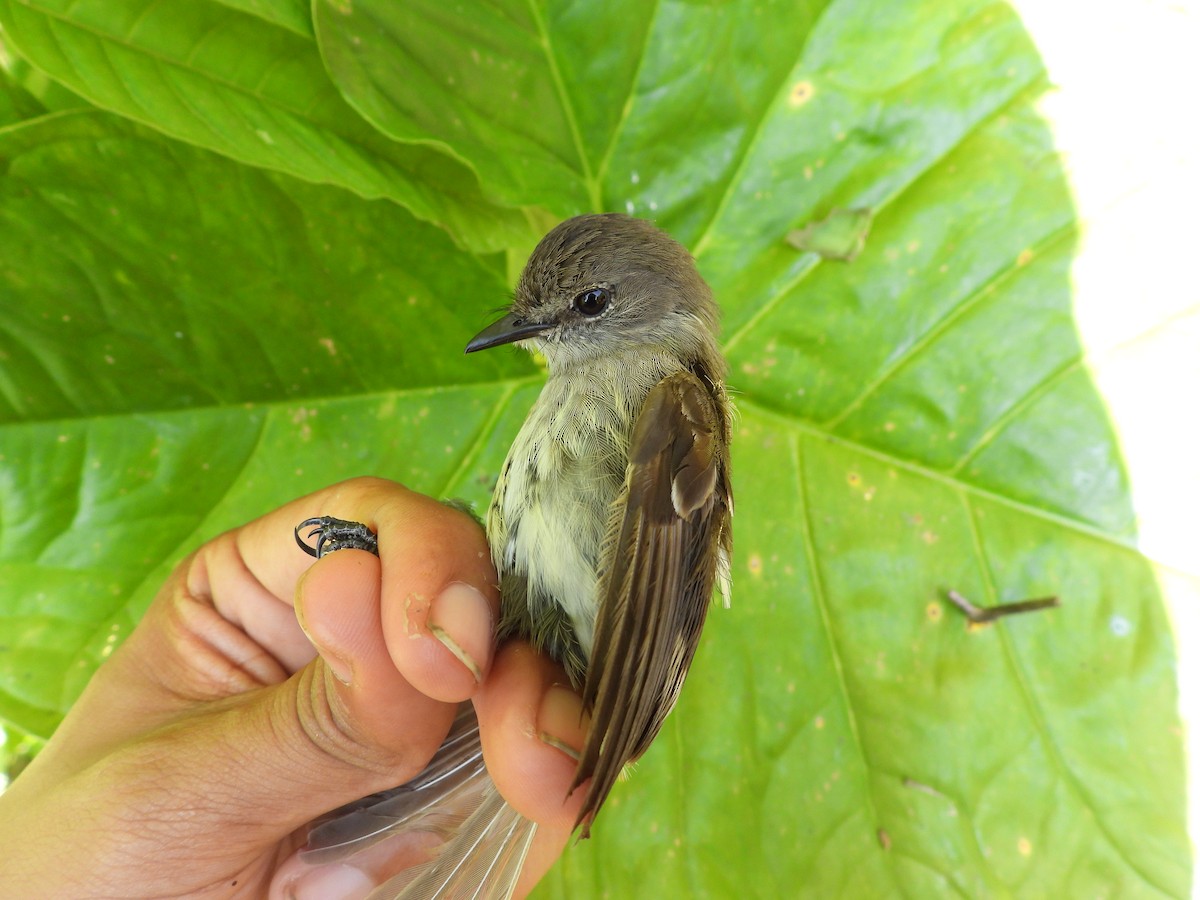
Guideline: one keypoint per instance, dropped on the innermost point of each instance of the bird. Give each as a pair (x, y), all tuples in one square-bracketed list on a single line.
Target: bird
[(609, 528)]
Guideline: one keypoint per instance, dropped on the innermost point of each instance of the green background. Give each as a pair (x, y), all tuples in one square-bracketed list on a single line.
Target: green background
[(242, 244)]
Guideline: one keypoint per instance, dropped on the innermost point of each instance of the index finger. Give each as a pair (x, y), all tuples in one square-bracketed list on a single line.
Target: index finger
[(267, 545), (439, 595)]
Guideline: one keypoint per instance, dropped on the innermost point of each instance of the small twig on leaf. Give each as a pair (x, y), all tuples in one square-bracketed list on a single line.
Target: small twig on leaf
[(982, 615)]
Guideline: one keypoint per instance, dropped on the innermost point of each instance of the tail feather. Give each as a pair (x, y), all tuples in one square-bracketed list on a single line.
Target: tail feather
[(420, 804), (485, 840), (481, 862)]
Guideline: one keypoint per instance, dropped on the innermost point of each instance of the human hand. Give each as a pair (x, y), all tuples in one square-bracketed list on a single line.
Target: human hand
[(262, 689)]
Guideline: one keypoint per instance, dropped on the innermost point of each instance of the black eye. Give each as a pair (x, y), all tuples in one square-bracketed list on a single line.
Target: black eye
[(593, 302)]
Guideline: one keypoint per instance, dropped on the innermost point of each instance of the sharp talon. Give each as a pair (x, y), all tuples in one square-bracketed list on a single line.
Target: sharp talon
[(336, 534), (300, 541)]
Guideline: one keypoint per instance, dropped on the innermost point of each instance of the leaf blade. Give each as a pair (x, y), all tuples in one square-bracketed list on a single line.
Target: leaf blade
[(249, 89)]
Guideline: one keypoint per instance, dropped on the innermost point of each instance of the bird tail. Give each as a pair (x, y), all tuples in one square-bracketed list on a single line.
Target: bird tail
[(483, 860), (473, 844)]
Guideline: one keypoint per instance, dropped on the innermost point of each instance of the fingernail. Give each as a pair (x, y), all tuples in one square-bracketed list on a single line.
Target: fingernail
[(462, 620), (338, 667), (561, 721), (344, 882)]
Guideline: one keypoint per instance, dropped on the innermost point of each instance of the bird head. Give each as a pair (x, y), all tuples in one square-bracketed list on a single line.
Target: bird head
[(601, 285)]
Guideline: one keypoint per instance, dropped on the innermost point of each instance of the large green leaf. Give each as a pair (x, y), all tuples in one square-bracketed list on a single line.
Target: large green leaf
[(251, 87), (189, 341), (158, 260)]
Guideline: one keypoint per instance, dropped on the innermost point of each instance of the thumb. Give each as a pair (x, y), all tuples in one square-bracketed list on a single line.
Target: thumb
[(193, 736), (223, 785), (349, 723), (401, 638)]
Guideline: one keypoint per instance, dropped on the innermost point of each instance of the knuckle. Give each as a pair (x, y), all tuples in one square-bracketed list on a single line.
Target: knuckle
[(330, 727)]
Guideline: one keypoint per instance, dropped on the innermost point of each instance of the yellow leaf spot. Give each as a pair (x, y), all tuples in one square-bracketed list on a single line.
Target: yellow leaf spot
[(933, 611), (1024, 257), (1024, 847), (801, 93)]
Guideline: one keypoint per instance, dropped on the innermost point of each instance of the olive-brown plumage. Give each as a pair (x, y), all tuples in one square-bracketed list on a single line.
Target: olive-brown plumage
[(610, 522), (609, 528)]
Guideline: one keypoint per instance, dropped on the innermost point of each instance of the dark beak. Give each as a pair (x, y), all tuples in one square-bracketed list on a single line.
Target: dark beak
[(505, 331)]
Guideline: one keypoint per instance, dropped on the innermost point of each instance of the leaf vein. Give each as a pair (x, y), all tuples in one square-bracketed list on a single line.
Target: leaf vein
[(602, 169), (945, 322), (564, 98), (756, 133), (1035, 712), (747, 406), (822, 605)]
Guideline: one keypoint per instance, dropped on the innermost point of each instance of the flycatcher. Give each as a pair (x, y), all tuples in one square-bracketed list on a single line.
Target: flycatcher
[(609, 527)]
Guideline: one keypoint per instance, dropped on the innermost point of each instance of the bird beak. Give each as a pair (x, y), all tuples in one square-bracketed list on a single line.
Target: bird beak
[(505, 331)]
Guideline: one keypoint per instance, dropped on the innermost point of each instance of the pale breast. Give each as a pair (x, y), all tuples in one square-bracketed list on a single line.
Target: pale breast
[(564, 471)]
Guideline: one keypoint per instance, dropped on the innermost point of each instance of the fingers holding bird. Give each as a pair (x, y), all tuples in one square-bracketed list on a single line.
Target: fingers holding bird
[(533, 726), (414, 621)]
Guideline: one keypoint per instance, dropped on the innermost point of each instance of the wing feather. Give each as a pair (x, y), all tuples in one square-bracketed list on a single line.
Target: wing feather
[(666, 534)]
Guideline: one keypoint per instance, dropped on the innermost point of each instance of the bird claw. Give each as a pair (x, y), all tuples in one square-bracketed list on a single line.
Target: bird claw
[(336, 534)]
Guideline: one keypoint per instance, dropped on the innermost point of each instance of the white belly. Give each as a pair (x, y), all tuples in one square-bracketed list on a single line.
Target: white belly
[(549, 515)]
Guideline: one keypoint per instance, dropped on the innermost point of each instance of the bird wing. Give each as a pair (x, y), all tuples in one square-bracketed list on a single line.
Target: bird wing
[(659, 560)]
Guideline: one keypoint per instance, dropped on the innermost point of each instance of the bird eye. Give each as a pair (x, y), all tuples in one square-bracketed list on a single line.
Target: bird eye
[(592, 302)]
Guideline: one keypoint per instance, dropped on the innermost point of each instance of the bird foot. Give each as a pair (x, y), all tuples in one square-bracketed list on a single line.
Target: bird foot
[(336, 534)]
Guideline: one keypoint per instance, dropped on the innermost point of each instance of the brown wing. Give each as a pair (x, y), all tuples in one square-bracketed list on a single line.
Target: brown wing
[(660, 559)]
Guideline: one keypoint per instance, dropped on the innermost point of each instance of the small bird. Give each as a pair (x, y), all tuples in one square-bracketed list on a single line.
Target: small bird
[(609, 528)]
